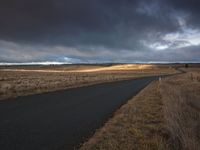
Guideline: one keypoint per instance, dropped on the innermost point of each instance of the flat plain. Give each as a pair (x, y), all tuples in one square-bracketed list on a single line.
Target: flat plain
[(166, 110), (26, 80)]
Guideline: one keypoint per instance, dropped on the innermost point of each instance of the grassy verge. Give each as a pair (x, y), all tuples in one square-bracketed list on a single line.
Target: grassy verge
[(165, 115), (136, 125), (181, 98)]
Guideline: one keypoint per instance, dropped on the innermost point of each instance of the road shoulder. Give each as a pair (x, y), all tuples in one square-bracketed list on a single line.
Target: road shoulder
[(139, 124)]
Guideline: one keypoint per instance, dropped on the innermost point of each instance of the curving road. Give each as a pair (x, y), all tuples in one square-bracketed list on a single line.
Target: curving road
[(62, 120)]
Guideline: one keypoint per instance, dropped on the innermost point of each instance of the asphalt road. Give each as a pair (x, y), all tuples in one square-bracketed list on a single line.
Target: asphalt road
[(62, 120)]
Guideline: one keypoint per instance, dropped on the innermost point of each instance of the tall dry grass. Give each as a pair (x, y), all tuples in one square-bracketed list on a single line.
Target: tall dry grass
[(181, 99), (15, 82), (138, 125)]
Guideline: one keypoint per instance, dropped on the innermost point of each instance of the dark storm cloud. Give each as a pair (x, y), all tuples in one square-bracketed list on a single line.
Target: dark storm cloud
[(90, 29), (77, 22), (190, 7)]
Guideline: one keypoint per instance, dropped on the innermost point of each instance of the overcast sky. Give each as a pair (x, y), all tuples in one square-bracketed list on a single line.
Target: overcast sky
[(95, 31)]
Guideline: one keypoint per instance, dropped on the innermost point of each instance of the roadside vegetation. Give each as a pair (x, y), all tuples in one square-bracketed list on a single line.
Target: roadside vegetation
[(26, 80), (181, 98), (163, 116)]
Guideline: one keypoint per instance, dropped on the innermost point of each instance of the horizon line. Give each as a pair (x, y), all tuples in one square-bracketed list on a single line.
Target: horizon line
[(85, 63)]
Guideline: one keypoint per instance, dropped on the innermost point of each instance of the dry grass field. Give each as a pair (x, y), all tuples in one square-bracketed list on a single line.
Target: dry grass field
[(25, 80), (163, 116), (181, 101)]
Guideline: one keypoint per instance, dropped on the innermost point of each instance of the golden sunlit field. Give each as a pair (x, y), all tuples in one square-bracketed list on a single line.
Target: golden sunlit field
[(25, 80), (163, 116)]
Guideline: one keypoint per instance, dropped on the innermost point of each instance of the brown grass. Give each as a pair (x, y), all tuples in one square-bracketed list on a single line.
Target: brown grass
[(136, 125), (20, 81), (181, 97), (163, 116)]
